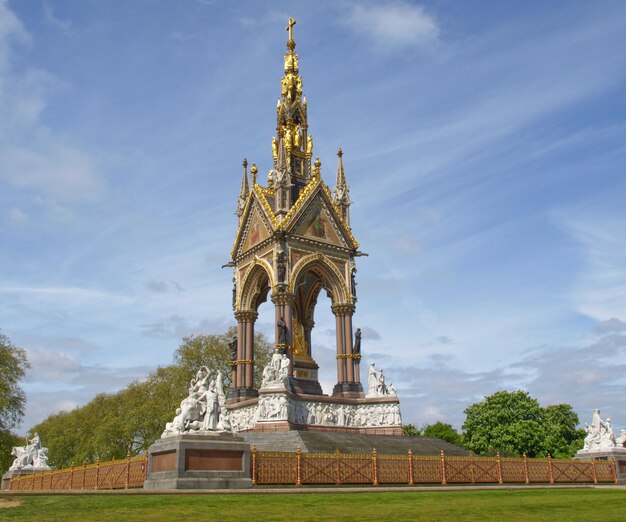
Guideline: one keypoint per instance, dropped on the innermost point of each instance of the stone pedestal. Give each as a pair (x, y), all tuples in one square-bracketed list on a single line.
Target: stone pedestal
[(211, 460), (14, 473), (618, 455)]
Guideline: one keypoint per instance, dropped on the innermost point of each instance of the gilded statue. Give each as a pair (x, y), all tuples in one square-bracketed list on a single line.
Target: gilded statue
[(299, 85), (309, 144), (274, 147), (296, 137)]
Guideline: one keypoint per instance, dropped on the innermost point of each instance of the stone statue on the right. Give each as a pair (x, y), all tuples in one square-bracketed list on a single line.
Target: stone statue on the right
[(600, 438)]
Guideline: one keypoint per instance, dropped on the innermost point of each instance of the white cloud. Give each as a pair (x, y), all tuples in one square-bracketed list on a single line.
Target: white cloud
[(600, 289), (10, 29), (16, 215), (394, 25), (71, 295), (60, 381), (62, 25), (611, 325), (177, 327), (34, 157)]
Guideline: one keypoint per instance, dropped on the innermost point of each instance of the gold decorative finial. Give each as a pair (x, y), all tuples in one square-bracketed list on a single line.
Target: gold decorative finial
[(253, 171), (291, 45), (340, 152), (244, 164), (316, 168)]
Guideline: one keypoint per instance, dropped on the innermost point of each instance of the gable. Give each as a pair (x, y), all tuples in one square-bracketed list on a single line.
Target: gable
[(254, 230), (317, 222)]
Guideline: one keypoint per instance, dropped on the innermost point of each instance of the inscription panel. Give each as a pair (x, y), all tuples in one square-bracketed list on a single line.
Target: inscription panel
[(165, 461), (213, 460)]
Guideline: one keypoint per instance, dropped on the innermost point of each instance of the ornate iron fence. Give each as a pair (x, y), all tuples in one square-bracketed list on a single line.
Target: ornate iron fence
[(298, 468), (271, 468), (117, 474)]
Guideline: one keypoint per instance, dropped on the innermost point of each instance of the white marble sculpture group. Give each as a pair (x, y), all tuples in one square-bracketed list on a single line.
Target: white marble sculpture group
[(376, 386), (276, 372), (203, 409), (600, 436), (32, 456)]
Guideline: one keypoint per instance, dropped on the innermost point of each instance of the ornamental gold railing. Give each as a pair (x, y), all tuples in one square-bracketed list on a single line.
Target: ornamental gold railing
[(126, 473), (299, 468), (289, 468)]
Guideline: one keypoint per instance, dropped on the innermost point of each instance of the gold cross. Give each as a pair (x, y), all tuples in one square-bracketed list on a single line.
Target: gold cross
[(289, 28)]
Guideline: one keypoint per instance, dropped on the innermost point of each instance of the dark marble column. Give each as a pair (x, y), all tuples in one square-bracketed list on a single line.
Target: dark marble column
[(283, 303)]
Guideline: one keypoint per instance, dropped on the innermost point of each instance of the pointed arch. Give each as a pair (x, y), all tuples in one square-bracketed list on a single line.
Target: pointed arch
[(332, 279), (255, 284)]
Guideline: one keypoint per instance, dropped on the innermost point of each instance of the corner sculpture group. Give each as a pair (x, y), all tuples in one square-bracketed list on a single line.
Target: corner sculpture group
[(600, 436), (30, 457), (203, 409)]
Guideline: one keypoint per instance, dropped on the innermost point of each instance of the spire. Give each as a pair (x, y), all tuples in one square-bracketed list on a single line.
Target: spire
[(245, 189), (291, 120), (282, 181), (341, 196), (281, 161)]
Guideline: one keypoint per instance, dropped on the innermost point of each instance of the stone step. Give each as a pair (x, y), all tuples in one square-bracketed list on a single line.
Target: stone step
[(329, 442)]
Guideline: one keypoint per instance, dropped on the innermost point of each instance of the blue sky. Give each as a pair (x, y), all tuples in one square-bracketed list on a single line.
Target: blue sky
[(484, 145)]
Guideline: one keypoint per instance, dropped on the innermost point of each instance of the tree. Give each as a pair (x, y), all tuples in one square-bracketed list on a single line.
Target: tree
[(442, 431), (513, 423), (562, 438), (509, 422), (409, 430), (13, 366), (213, 351), (8, 439)]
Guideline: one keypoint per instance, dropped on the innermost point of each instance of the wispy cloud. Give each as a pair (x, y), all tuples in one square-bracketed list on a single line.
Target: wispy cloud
[(393, 25), (33, 157), (598, 231), (59, 380), (63, 25), (177, 327)]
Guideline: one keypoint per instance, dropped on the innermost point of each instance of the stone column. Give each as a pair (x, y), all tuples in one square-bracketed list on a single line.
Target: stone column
[(283, 303), (241, 350), (340, 347), (308, 325), (347, 321), (249, 355), (244, 373)]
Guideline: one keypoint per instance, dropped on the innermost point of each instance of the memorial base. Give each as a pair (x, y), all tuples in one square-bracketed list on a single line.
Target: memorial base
[(210, 460), (618, 455)]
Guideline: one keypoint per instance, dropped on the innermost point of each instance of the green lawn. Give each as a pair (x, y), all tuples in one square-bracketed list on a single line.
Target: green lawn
[(527, 505)]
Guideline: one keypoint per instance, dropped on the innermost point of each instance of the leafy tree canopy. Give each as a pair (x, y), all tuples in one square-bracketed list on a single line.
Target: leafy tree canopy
[(408, 430), (13, 365), (514, 423), (129, 421), (443, 431)]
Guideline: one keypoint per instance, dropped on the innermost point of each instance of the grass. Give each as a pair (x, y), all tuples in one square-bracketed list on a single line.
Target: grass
[(527, 505)]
